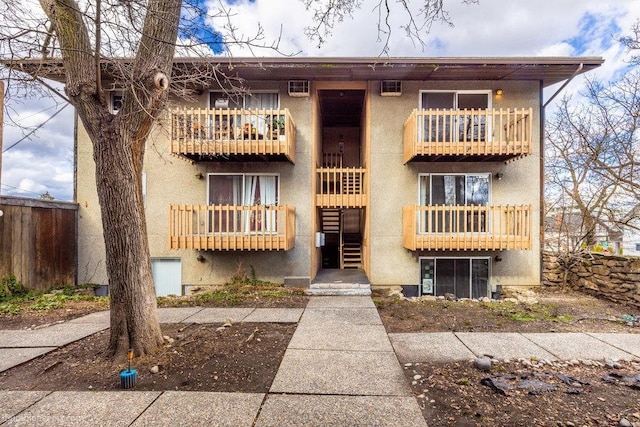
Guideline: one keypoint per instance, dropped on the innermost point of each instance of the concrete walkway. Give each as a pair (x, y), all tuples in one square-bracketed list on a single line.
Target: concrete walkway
[(340, 368)]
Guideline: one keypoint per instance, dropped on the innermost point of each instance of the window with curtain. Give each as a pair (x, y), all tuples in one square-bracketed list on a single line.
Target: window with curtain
[(244, 190), (454, 190)]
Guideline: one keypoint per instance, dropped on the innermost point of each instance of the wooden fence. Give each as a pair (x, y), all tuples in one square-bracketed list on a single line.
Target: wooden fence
[(38, 241)]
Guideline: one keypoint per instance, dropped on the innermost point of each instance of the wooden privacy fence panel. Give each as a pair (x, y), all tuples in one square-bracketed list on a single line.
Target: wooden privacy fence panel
[(226, 132), (38, 241), (229, 227), (467, 227), (481, 132)]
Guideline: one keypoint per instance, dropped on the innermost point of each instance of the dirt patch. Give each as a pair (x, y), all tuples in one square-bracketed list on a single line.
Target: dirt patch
[(452, 395), (242, 358), (554, 312)]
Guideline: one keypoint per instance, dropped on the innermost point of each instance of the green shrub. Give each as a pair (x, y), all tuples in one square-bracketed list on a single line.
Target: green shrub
[(11, 288)]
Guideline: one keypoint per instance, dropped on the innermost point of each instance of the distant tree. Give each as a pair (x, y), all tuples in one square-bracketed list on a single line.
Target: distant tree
[(593, 160), (83, 40)]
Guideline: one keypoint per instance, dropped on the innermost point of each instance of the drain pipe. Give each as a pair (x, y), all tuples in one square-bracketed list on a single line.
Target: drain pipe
[(542, 160)]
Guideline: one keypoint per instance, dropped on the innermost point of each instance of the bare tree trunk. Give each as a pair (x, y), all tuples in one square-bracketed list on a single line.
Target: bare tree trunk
[(118, 151), (134, 320)]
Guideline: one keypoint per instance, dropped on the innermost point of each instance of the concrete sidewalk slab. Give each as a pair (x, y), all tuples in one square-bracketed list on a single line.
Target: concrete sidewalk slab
[(13, 402), (340, 302), (177, 314), (337, 316), (329, 337), (219, 315), (502, 345), (321, 411), (275, 315), (83, 408), (429, 347), (192, 408), (99, 317), (340, 372), (10, 357), (52, 336), (573, 345), (629, 343)]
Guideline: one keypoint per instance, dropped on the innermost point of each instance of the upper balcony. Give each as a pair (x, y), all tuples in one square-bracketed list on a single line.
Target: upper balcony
[(466, 227), (468, 135), (233, 135), (231, 228), (340, 187)]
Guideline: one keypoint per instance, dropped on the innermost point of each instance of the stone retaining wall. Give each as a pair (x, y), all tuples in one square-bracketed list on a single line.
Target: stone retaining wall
[(611, 277)]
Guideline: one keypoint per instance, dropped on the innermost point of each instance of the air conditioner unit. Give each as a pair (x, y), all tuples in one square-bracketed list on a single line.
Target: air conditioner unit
[(390, 88), (298, 88)]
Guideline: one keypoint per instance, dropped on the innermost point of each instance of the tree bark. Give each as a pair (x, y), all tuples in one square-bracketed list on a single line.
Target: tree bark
[(118, 151)]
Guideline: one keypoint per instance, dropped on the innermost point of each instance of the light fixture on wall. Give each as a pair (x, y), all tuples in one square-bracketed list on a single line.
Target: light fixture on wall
[(498, 258), (199, 175), (499, 91), (499, 176), (200, 258)]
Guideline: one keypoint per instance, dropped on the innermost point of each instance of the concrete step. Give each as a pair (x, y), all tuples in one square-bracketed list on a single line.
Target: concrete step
[(339, 288)]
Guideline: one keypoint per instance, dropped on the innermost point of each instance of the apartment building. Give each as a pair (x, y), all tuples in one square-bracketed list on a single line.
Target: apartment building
[(345, 173)]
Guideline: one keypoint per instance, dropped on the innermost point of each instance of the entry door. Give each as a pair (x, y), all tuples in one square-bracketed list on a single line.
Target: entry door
[(167, 276)]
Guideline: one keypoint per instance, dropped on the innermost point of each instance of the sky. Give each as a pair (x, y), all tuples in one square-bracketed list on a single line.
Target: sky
[(43, 162)]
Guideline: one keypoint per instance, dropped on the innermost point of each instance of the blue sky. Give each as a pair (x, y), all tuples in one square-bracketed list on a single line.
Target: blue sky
[(44, 162)]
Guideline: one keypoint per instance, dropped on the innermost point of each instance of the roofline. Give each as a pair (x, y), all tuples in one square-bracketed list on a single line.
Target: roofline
[(467, 60)]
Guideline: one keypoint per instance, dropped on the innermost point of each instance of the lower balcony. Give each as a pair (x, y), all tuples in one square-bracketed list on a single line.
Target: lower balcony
[(232, 228), (470, 228), (341, 187)]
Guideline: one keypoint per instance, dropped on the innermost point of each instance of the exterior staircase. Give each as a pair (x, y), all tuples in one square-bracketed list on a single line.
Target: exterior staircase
[(351, 252)]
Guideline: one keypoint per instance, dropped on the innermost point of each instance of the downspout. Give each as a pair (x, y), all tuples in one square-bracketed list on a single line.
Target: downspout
[(542, 158)]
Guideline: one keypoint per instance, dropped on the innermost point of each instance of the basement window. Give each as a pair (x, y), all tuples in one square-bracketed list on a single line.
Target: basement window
[(462, 277)]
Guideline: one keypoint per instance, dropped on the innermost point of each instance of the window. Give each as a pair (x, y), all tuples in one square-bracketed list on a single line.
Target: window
[(461, 126), (637, 246), (247, 123), (115, 101), (257, 100), (462, 277), (390, 88), (454, 190), (244, 190), (298, 88)]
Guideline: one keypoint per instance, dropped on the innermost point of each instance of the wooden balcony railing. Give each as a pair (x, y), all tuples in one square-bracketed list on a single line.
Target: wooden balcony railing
[(341, 187), (466, 227), (491, 134), (224, 133), (248, 228)]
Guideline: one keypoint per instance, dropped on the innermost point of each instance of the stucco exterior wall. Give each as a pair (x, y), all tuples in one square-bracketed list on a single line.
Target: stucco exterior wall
[(394, 185), (172, 180)]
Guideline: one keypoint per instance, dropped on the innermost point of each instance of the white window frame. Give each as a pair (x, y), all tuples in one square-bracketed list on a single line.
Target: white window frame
[(244, 175), (422, 222), (435, 272), (113, 95), (487, 92), (243, 97), (270, 224), (482, 174)]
